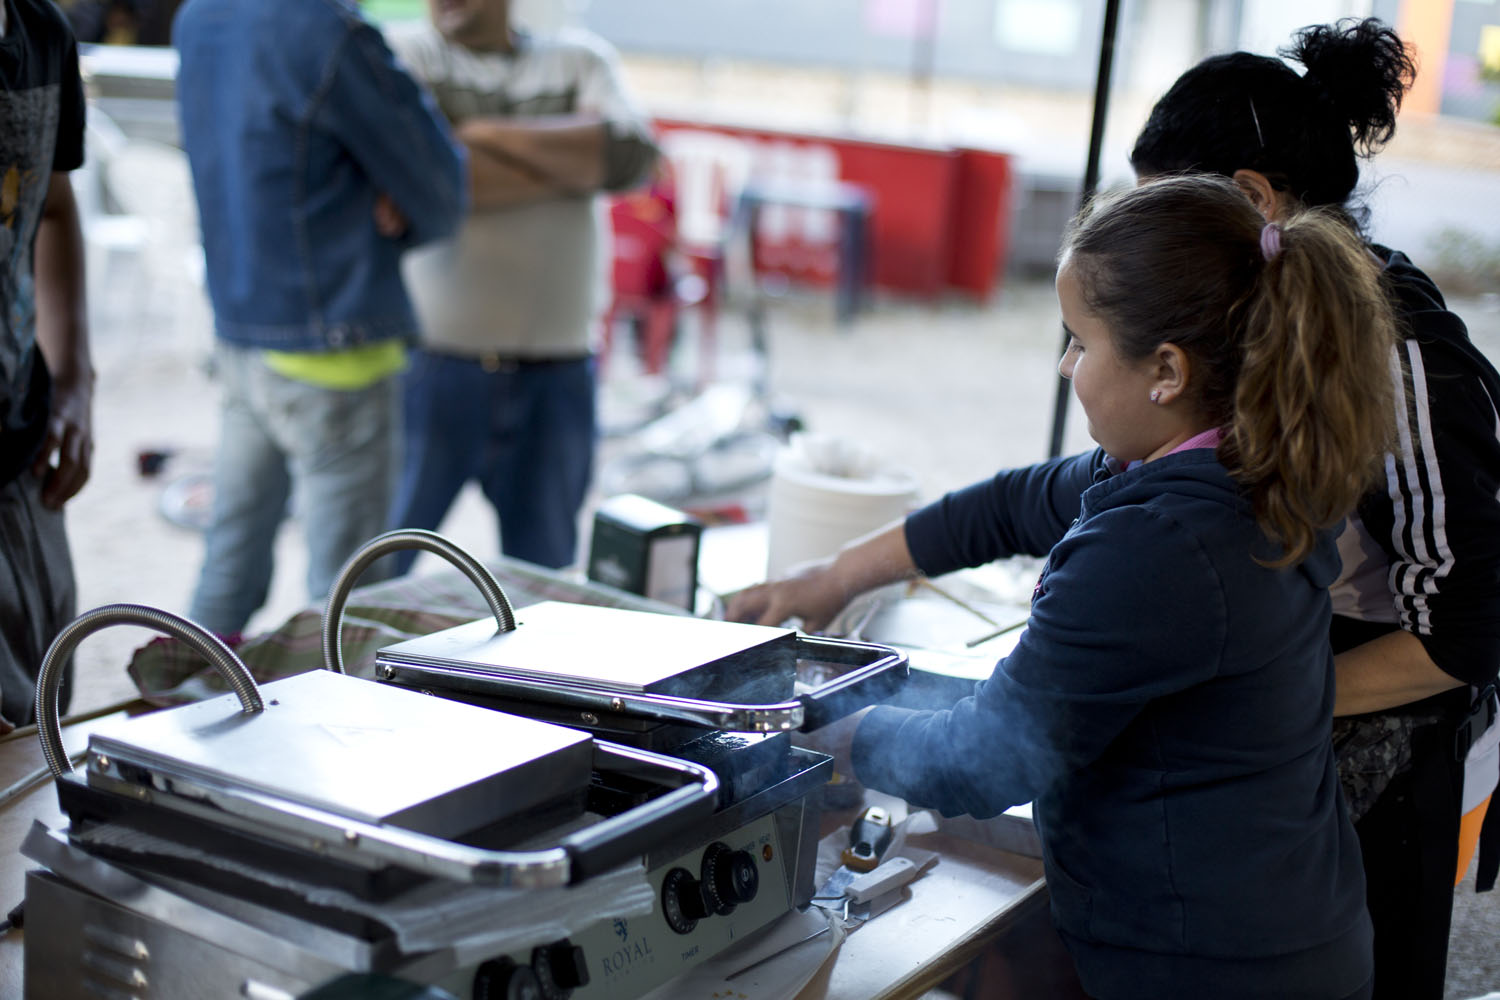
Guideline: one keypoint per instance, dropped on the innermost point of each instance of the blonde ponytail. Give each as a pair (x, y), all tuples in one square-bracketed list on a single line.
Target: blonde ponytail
[(1314, 403)]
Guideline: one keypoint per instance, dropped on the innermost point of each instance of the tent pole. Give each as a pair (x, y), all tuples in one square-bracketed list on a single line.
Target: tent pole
[(1090, 183)]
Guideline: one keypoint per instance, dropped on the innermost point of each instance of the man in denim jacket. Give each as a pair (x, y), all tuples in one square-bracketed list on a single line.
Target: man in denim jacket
[(317, 162)]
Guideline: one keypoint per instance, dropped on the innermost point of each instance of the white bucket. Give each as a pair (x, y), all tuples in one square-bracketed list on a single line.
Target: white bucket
[(828, 491)]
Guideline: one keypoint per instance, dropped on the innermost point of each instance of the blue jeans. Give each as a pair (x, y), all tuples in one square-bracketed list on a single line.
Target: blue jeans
[(525, 432), (335, 449)]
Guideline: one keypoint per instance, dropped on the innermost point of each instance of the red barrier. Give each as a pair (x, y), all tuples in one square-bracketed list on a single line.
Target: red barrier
[(981, 221), (939, 215)]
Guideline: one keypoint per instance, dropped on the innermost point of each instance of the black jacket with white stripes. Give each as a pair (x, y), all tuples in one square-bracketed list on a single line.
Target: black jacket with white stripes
[(1437, 522)]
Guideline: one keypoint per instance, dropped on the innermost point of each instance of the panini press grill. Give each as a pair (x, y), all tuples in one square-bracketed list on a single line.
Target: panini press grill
[(722, 695), (273, 840), (280, 838)]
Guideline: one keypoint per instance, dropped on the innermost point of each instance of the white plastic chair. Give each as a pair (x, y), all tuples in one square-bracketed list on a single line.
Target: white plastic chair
[(140, 227)]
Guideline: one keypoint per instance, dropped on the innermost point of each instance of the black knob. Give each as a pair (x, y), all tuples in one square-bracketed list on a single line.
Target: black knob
[(682, 900), (503, 979), (560, 968), (730, 877)]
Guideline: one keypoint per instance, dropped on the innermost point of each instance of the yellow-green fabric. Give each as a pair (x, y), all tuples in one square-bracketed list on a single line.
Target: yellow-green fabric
[(355, 368)]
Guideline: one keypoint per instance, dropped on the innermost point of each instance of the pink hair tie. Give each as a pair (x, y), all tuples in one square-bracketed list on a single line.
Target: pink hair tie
[(1270, 240)]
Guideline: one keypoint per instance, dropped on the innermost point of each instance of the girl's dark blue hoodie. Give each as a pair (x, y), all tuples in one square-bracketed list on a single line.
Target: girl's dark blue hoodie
[(1168, 712)]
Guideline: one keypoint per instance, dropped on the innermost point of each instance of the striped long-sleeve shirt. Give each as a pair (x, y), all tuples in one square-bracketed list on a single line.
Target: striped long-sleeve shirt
[(528, 280)]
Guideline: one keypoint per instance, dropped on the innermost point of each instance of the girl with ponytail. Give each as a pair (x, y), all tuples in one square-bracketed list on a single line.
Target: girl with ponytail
[(1167, 707)]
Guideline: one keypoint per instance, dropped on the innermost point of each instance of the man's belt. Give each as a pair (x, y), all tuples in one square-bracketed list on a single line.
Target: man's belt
[(499, 362)]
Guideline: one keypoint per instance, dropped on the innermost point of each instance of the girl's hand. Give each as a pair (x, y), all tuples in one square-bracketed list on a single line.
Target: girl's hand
[(811, 593)]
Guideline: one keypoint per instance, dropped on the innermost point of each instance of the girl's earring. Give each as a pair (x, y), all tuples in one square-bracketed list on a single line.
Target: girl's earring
[(1156, 395)]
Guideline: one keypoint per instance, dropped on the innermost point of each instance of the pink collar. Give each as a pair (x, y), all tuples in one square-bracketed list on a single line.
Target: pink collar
[(1207, 439)]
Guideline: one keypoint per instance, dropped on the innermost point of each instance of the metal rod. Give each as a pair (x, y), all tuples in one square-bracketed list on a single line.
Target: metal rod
[(923, 581), (1090, 182), (27, 732), (779, 952), (995, 634), (33, 779)]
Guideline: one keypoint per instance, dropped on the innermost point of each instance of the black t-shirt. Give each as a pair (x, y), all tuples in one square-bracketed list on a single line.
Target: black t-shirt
[(41, 131)]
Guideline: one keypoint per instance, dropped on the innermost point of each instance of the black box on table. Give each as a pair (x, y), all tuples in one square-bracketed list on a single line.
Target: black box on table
[(646, 548)]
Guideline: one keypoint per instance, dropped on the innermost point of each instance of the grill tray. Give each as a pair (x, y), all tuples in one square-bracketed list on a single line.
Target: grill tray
[(631, 652), (370, 776), (366, 751), (617, 665)]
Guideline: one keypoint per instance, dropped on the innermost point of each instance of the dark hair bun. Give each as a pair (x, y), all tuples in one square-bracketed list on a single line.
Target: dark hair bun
[(1364, 68)]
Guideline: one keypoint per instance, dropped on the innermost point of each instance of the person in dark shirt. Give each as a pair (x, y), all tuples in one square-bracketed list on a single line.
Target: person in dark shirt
[(317, 162), (46, 375)]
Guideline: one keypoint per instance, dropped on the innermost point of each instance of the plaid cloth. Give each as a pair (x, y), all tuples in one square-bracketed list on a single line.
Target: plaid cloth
[(168, 672)]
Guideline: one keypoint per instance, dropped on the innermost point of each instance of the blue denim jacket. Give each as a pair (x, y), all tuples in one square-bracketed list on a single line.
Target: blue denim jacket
[(294, 116)]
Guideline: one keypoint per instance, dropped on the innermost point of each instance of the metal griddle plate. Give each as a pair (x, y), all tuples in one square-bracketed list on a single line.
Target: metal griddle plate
[(635, 652), (369, 751)]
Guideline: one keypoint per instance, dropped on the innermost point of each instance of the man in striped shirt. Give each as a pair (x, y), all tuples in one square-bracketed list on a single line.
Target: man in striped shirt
[(501, 389)]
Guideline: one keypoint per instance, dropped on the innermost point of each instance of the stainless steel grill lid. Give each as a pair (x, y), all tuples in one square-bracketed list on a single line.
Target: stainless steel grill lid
[(371, 752), (574, 645)]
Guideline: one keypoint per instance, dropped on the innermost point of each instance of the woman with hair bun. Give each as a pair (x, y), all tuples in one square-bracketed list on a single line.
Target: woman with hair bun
[(1417, 606)]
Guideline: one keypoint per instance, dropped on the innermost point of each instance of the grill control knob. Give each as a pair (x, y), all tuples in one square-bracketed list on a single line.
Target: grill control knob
[(560, 969), (730, 877), (682, 900), (503, 979)]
